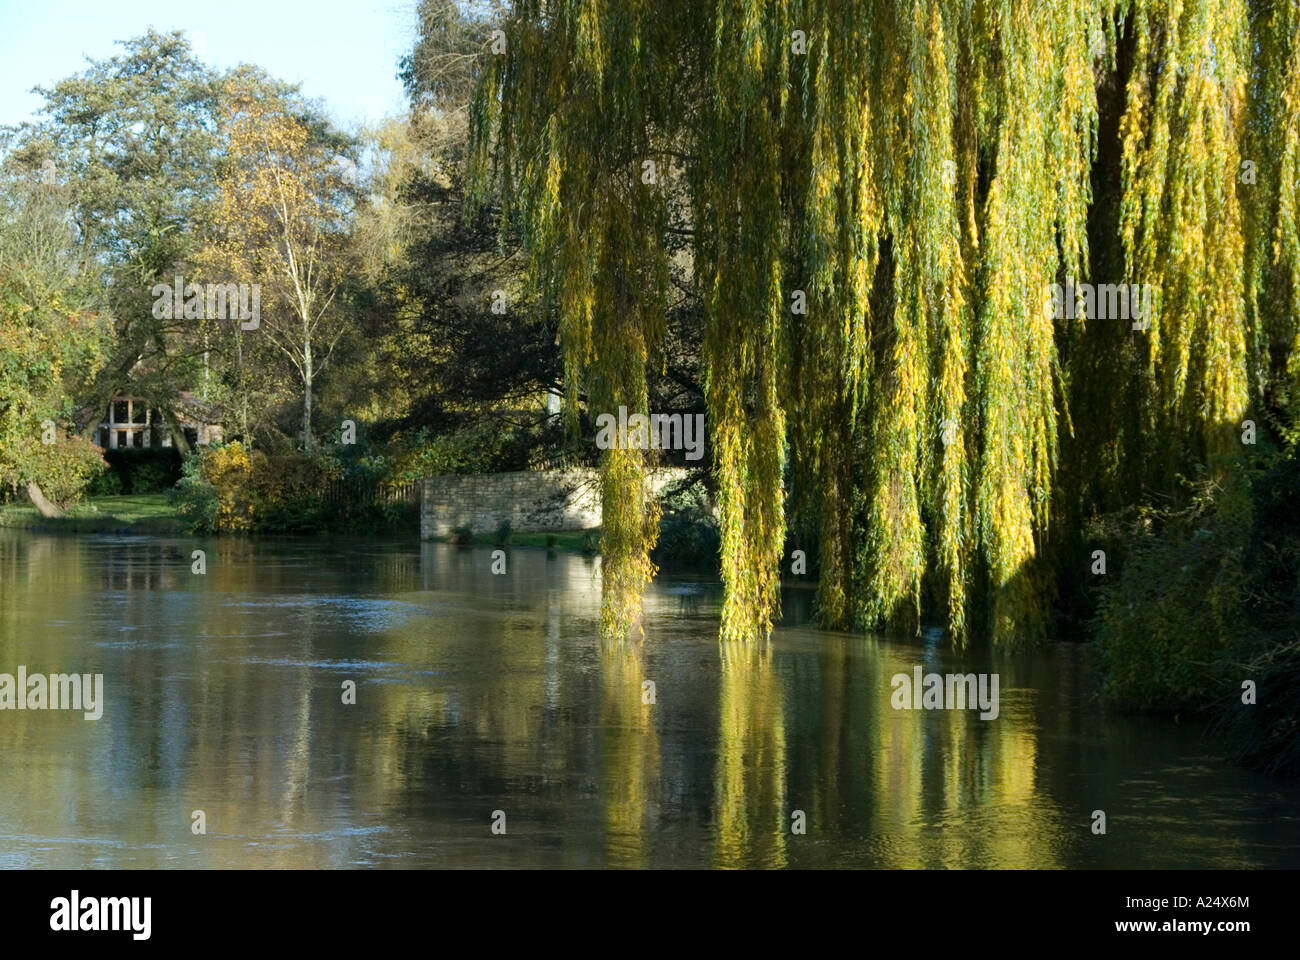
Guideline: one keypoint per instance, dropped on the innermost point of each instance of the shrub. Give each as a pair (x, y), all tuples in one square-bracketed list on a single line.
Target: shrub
[(66, 467), (291, 513), (289, 491), (230, 470), (286, 493), (194, 498), (688, 538), (215, 491), (1212, 599), (1265, 734), (153, 471), (107, 484), (393, 514), (1167, 618), (504, 534), (462, 535), (139, 470), (474, 448)]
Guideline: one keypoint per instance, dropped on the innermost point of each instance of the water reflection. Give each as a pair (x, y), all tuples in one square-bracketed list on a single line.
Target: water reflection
[(477, 692), (629, 753), (751, 820)]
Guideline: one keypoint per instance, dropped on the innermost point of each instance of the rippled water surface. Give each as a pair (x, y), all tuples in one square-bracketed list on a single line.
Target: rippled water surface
[(478, 693)]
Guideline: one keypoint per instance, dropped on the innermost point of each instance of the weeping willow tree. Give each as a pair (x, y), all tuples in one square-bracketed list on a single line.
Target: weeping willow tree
[(880, 195), (571, 150), (1181, 218)]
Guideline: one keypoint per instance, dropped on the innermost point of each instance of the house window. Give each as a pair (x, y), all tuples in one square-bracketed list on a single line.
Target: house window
[(192, 435), (121, 411), (122, 439)]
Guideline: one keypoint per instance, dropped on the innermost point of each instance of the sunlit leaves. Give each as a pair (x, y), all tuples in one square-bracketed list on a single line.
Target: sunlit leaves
[(922, 172)]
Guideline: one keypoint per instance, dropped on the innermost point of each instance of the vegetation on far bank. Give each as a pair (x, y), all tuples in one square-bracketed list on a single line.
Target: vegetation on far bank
[(150, 513)]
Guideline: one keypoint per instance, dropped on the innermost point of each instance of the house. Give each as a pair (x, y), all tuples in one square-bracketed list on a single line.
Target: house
[(133, 422)]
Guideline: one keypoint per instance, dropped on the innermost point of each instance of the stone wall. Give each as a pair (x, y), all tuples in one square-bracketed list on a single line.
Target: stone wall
[(534, 501)]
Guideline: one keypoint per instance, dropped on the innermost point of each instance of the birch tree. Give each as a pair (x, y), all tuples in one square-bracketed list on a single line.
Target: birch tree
[(283, 205)]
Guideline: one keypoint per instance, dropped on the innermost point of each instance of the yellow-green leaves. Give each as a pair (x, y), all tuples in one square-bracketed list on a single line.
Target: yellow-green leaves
[(1181, 219), (879, 192)]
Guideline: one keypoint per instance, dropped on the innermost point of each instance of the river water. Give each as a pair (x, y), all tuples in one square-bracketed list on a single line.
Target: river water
[(487, 699)]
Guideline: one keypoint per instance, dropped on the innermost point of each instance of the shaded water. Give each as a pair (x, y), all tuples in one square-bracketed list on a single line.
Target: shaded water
[(478, 693)]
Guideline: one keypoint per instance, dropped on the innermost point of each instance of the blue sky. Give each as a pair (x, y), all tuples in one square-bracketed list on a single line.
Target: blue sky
[(344, 52)]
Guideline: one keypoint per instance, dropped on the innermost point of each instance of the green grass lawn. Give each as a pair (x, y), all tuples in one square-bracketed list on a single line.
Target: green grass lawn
[(136, 513)]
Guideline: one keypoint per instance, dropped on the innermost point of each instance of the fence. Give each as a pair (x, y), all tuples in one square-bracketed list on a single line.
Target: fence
[(364, 493)]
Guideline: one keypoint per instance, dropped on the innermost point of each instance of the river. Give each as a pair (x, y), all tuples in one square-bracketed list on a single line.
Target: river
[(487, 699)]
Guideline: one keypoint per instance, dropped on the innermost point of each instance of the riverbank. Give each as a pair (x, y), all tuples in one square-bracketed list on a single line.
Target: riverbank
[(146, 513), (582, 541), (154, 513)]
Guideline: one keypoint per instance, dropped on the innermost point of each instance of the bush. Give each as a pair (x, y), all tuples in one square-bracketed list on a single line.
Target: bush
[(462, 535), (1212, 599), (136, 470), (291, 513), (504, 534), (285, 493), (1167, 618), (194, 498), (107, 484), (397, 513), (688, 538), (476, 447), (66, 468), (1265, 734), (289, 491), (215, 491), (230, 470)]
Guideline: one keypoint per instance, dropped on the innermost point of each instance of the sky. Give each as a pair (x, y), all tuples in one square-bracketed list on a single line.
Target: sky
[(344, 52)]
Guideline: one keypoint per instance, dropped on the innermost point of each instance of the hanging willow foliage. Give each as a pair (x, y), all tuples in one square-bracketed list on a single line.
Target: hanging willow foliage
[(881, 194), (1180, 217), (1272, 204)]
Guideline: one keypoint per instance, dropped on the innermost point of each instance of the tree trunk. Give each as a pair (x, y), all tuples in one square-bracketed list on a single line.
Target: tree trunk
[(306, 396), (243, 394), (42, 504), (177, 431)]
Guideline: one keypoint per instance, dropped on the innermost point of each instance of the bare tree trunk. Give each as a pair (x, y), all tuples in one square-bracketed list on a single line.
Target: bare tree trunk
[(243, 394), (42, 503), (306, 395)]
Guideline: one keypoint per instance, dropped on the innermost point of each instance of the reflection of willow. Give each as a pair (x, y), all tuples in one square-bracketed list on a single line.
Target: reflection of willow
[(1027, 834), (749, 784), (962, 792), (629, 755)]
